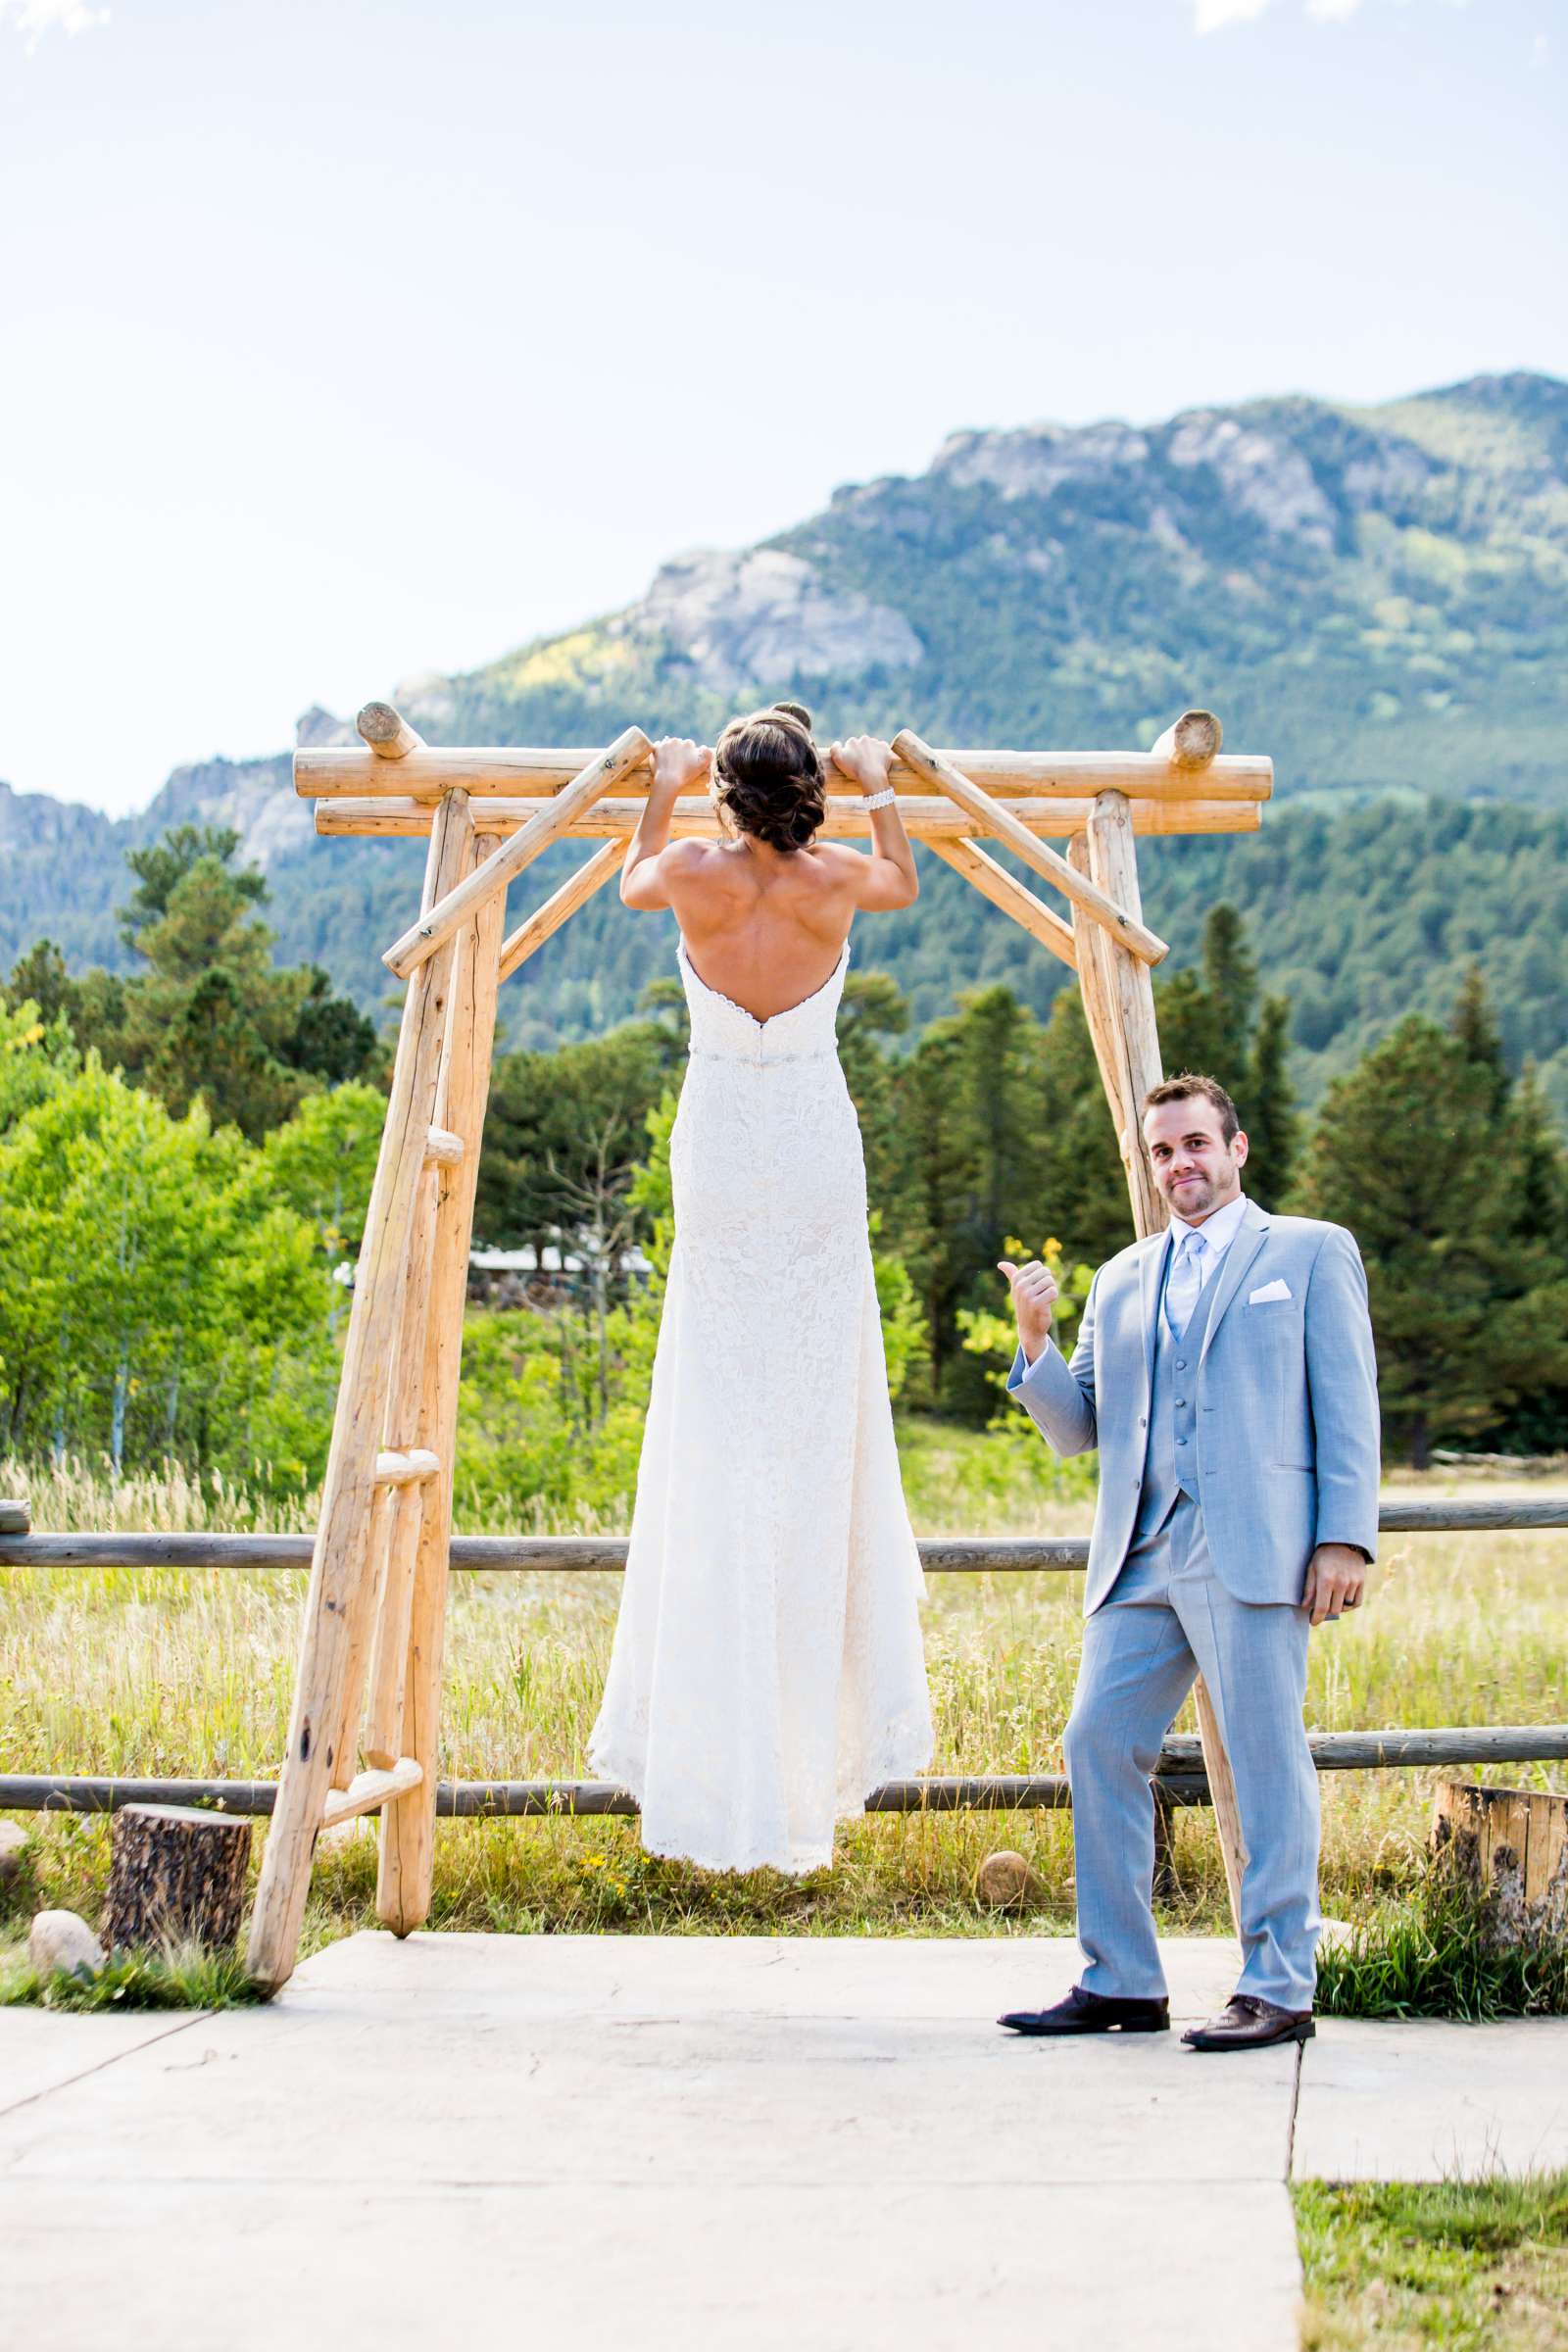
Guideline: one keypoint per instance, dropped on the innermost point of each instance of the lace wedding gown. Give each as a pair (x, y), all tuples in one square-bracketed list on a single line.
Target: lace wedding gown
[(768, 1669)]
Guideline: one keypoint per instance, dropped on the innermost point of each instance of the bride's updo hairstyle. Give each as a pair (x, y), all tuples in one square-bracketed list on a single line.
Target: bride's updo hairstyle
[(767, 776)]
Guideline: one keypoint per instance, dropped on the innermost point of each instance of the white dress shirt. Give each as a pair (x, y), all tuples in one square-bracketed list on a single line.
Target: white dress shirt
[(1217, 1233)]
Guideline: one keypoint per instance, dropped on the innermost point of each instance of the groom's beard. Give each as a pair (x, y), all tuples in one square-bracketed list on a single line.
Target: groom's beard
[(1189, 1200), (1199, 1198)]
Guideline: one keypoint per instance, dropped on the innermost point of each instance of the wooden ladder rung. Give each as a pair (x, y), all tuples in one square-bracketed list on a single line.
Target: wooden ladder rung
[(369, 1792), (405, 1469), (442, 1149)]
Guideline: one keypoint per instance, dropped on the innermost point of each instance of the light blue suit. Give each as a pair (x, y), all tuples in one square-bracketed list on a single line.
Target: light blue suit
[(1224, 1459)]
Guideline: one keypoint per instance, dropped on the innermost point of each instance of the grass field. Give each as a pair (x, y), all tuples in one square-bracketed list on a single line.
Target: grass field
[(163, 1673), (1472, 2267)]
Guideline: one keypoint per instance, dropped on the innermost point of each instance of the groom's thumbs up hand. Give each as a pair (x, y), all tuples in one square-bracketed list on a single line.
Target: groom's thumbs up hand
[(1034, 1293)]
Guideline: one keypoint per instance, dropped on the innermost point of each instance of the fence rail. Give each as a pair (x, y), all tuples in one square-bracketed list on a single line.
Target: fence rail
[(1180, 1779), (942, 1555), (1180, 1776)]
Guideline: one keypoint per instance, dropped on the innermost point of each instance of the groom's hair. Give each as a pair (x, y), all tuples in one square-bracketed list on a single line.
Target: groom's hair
[(1185, 1084)]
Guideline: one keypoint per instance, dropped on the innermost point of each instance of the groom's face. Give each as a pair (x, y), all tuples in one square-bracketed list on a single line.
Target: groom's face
[(1194, 1168)]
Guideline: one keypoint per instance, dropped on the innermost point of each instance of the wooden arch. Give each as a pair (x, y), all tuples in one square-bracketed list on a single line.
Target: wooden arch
[(370, 1672)]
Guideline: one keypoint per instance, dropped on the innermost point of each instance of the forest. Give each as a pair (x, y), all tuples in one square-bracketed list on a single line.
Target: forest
[(186, 1153)]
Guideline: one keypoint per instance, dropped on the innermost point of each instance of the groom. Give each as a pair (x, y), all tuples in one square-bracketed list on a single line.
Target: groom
[(1225, 1370)]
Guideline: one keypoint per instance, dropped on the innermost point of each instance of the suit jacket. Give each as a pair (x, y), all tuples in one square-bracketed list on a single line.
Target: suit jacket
[(1287, 1422)]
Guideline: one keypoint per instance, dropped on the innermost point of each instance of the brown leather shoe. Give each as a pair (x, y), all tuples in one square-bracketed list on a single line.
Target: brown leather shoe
[(1090, 2013), (1248, 2023)]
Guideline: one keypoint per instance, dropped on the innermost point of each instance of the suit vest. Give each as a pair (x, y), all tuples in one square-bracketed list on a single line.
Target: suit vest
[(1170, 1460)]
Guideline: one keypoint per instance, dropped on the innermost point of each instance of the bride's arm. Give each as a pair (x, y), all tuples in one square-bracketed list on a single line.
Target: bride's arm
[(888, 877), (677, 764)]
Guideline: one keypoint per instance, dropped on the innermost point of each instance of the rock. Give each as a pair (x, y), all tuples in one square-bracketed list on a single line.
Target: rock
[(13, 1845), (317, 726), (1007, 1880), (60, 1939), (1257, 471), (1038, 458), (763, 618)]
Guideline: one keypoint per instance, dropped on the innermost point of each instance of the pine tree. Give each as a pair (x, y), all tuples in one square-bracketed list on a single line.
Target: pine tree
[(1267, 1106), (1080, 1187), (1408, 1156), (1230, 982), (1531, 1255), (1474, 1025)]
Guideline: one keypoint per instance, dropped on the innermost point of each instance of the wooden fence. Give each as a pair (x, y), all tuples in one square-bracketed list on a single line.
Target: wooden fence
[(1181, 1778)]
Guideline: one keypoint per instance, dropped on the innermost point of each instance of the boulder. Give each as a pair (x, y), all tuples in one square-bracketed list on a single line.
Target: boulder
[(1007, 1881), (60, 1939)]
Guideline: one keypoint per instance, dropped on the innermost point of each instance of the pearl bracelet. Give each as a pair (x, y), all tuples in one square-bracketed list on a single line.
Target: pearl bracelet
[(879, 799)]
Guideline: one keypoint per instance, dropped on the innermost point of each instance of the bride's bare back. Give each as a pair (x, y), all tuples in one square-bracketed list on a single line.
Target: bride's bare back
[(765, 925)]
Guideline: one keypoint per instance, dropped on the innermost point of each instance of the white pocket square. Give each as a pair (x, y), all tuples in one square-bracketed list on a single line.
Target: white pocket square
[(1269, 1291)]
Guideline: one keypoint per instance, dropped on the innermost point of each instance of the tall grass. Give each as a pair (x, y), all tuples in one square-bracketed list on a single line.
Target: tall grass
[(1435, 1951), (168, 1673)]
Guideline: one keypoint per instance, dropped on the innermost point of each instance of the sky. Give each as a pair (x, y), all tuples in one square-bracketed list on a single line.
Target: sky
[(346, 339)]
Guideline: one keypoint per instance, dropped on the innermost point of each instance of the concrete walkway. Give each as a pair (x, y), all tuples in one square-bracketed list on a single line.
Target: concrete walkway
[(658, 2142), (1428, 2100)]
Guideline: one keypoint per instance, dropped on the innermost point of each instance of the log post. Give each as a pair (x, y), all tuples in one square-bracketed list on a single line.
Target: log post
[(408, 1828), (363, 1612), (16, 1517), (175, 1873), (1125, 1012), (338, 1564), (408, 1435), (1097, 995), (387, 1550)]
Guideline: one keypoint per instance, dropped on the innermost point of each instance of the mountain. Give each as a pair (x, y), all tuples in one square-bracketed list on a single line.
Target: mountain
[(1373, 596)]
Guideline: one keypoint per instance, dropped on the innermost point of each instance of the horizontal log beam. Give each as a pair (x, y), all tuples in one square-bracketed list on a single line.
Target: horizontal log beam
[(1179, 1772), (582, 1555), (334, 771), (401, 817)]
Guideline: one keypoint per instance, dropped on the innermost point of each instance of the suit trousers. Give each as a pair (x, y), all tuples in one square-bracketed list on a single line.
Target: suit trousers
[(1166, 1619)]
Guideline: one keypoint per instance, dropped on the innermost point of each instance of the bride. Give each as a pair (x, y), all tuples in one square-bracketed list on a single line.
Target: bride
[(768, 1670)]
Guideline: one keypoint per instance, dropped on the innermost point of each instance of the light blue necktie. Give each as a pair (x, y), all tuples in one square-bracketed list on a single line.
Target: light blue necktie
[(1184, 1283)]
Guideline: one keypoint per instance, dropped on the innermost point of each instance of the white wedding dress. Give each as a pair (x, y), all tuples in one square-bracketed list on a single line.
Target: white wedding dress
[(768, 1669)]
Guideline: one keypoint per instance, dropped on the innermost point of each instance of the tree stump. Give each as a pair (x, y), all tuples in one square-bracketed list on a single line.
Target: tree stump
[(1510, 1845), (175, 1873)]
